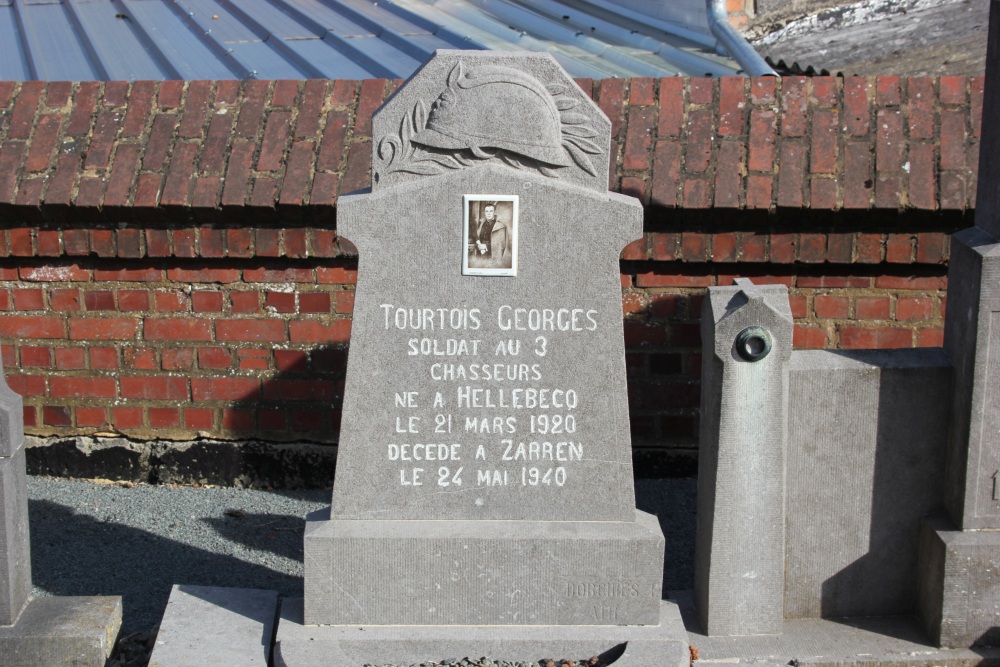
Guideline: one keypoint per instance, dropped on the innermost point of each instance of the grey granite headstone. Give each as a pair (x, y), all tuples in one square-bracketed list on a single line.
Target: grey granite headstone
[(56, 632), (740, 544), (484, 473)]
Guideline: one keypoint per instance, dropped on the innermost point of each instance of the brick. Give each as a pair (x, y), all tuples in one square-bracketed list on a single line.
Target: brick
[(91, 417), (697, 193), (635, 251), (28, 299), (70, 358), (244, 302), (224, 389), (239, 242), (177, 185), (199, 419), (611, 100), (791, 174), (887, 90), (343, 92), (914, 308), (920, 107), (154, 388), (952, 139), (357, 173), (922, 186), (666, 174), (252, 109), (23, 327), (321, 390), (264, 193), (976, 90), (285, 93), (759, 191), (324, 192), (101, 140), (169, 94), (310, 108), (852, 337), (177, 328), (48, 243), (823, 194), (831, 307), (115, 94), (633, 186), (652, 279), (123, 174), (250, 330), (64, 300), (237, 420), (177, 358), (694, 247), (869, 248), (211, 242), (11, 154), (170, 302), (372, 93), (729, 175), (291, 360), (724, 247), (763, 89), (930, 337), (120, 272), (642, 91), (794, 103), (824, 91), (127, 418), (56, 415), (932, 248), (638, 139), (763, 124), (344, 302), (698, 152), (888, 191), (871, 307), (307, 331), (213, 153), (281, 302), (56, 94), (36, 357), (251, 359), (99, 300), (952, 89), (912, 282), (147, 191), (89, 192), (108, 328), (889, 144), (214, 358), (857, 176), (267, 242), (103, 358), (298, 170), (143, 358), (825, 134), (953, 191), (194, 275), (857, 114), (272, 147), (84, 105), (670, 119), (43, 142), (205, 301), (140, 105), (160, 141), (732, 103), (129, 243), (22, 116), (783, 248), (27, 385), (227, 93), (336, 275), (332, 147), (82, 387), (196, 106), (812, 248), (164, 418), (29, 194), (809, 337), (701, 90)]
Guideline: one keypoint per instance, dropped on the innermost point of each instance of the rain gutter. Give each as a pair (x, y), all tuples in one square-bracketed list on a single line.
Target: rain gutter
[(732, 43)]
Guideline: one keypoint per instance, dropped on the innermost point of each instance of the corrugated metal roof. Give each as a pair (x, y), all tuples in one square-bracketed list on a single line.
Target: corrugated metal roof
[(337, 39)]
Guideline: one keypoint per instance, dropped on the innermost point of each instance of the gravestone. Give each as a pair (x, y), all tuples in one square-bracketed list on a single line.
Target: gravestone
[(51, 631), (484, 502)]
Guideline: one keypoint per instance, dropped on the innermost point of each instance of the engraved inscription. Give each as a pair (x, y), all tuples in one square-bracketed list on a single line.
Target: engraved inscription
[(610, 589)]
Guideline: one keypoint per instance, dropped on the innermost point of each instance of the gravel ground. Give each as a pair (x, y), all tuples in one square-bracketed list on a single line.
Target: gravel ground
[(89, 538)]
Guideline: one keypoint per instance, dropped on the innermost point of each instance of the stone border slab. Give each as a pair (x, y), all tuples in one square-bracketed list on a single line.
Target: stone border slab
[(299, 645), (63, 632), (211, 625)]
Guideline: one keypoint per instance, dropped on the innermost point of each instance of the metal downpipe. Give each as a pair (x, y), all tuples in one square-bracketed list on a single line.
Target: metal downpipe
[(733, 42)]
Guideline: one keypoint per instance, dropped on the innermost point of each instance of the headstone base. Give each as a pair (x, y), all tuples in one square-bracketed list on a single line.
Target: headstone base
[(960, 584), (483, 572), (210, 625), (887, 641), (298, 645), (62, 632)]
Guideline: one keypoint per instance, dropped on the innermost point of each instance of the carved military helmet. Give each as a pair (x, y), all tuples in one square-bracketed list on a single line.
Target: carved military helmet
[(474, 113)]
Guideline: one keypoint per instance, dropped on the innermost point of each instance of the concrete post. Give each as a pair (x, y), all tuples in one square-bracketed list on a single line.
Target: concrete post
[(740, 548), (15, 550)]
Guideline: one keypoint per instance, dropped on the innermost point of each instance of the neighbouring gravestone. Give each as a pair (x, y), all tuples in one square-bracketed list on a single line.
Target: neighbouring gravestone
[(484, 500), (51, 631)]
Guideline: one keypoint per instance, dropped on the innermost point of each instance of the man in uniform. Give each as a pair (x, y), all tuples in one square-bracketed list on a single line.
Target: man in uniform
[(489, 241)]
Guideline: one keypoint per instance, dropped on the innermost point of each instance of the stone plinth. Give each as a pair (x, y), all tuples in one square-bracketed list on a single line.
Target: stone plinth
[(62, 632), (740, 558)]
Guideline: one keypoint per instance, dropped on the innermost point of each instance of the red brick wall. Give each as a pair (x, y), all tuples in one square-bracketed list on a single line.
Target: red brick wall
[(169, 265)]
